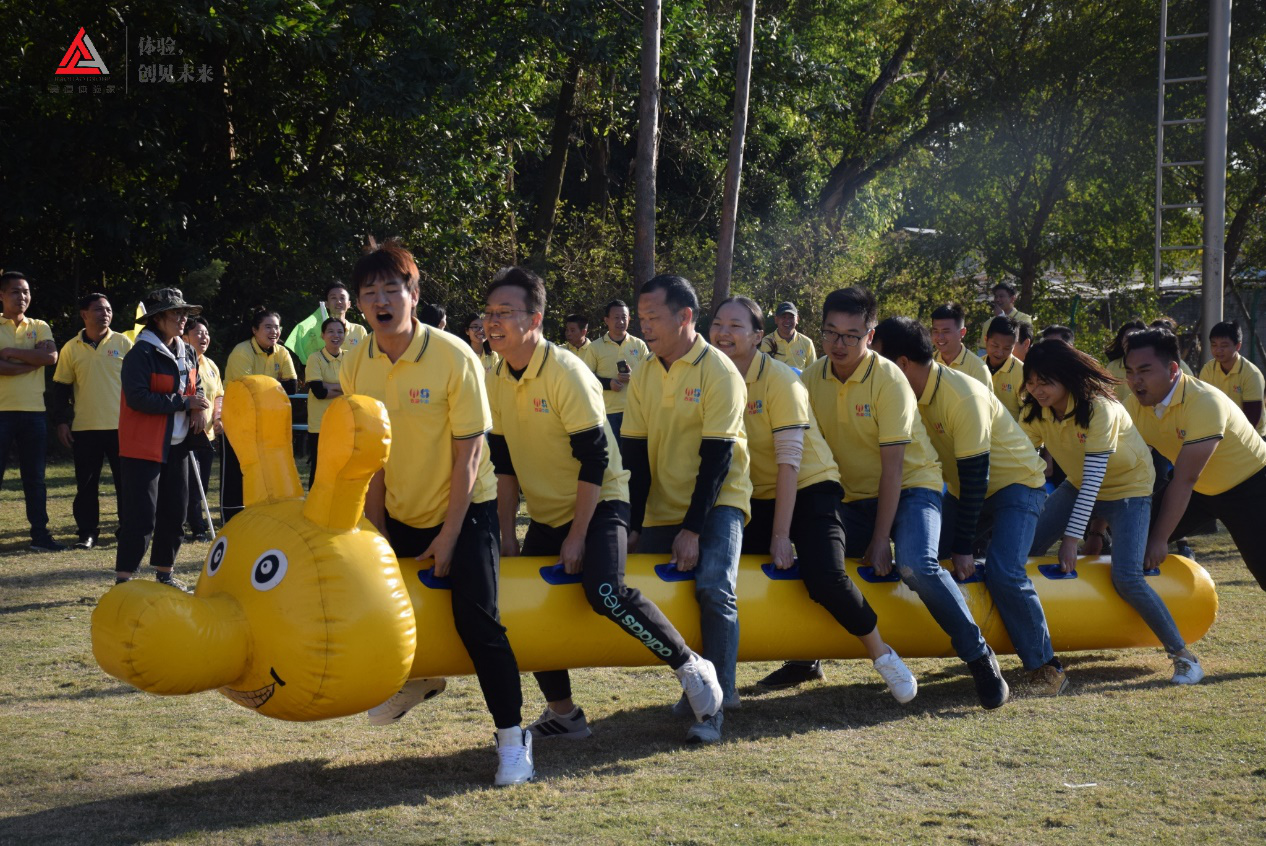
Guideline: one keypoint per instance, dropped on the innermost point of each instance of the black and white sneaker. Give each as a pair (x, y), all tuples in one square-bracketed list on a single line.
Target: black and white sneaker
[(571, 726)]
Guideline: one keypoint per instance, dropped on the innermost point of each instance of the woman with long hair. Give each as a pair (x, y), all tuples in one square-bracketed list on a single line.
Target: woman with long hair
[(1115, 354), (473, 328), (1072, 410)]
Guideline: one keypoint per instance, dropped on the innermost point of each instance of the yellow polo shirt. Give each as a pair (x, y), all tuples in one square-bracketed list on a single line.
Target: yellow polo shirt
[(1019, 316), (212, 387), (96, 377), (25, 392), (321, 367), (354, 335), (247, 359), (701, 395), (434, 395), (604, 354), (1111, 431), (969, 363), (1117, 368), (778, 400), (964, 419), (1199, 412), (537, 414), (873, 408), (1007, 383), (798, 352), (580, 352), (1243, 384)]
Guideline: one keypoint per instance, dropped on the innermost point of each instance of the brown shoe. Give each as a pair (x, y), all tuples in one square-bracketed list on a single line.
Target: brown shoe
[(1048, 681)]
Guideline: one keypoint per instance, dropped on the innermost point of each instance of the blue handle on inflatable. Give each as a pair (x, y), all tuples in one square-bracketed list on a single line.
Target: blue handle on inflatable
[(556, 575), (867, 574), (433, 581), (1155, 571), (1052, 572), (978, 576), (670, 573), (792, 573)]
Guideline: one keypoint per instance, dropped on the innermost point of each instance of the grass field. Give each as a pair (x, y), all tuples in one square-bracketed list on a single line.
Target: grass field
[(1125, 757)]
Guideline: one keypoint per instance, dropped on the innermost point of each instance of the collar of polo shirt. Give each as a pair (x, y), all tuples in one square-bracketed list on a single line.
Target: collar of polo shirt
[(933, 384)]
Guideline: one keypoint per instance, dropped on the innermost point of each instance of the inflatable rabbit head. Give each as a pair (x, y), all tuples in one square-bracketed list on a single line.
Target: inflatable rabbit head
[(300, 612)]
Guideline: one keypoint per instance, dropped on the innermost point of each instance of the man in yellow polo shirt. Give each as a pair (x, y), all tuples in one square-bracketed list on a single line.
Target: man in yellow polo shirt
[(892, 479), (1219, 459), (85, 398), (576, 333), (615, 357), (436, 498), (948, 331), (1006, 371), (1003, 302), (689, 488), (1234, 375), (338, 302), (26, 348), (786, 344), (995, 482), (551, 439)]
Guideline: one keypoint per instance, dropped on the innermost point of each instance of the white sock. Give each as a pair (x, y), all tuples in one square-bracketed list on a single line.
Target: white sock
[(512, 736), (569, 715)]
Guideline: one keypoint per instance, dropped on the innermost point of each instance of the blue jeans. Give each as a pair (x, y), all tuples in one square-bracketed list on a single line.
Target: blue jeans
[(28, 430), (1012, 514), (916, 531), (716, 579), (1130, 520)]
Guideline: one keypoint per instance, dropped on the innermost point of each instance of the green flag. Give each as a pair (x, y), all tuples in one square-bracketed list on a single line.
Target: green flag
[(305, 338)]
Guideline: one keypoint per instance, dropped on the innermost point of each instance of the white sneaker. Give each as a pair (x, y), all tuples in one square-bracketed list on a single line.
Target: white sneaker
[(699, 682), (1186, 670), (901, 682), (572, 726), (413, 692), (514, 760)]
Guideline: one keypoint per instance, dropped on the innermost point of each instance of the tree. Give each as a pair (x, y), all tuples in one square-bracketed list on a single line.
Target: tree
[(734, 166)]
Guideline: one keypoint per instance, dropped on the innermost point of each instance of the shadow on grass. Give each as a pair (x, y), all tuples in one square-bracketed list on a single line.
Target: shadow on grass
[(40, 606), (88, 572), (88, 693)]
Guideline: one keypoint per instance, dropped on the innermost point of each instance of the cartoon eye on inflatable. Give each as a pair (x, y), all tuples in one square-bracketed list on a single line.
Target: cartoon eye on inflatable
[(269, 570), (216, 558)]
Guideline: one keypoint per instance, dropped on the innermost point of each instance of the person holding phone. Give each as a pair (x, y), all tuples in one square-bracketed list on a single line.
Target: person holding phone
[(615, 357)]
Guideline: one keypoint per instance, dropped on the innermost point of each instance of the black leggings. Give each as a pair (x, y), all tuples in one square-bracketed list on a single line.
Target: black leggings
[(155, 494), (817, 530), (473, 577), (606, 547)]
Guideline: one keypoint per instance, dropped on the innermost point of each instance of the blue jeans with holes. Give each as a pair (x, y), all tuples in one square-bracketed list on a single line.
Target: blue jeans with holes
[(916, 530), (1130, 519), (28, 431), (1012, 514), (716, 579)]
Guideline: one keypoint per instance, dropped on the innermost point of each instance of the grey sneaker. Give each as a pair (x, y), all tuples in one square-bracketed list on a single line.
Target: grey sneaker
[(706, 731), (413, 692), (681, 708), (1186, 670), (699, 682), (172, 581), (549, 724)]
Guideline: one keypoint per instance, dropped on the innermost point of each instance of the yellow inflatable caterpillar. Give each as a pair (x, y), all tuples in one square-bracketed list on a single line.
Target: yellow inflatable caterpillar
[(302, 611)]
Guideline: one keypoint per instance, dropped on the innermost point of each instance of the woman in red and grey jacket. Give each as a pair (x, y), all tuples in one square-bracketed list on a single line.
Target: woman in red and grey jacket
[(162, 402)]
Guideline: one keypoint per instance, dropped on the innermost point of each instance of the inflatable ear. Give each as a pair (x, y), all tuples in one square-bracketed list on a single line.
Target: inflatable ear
[(355, 440), (257, 422)]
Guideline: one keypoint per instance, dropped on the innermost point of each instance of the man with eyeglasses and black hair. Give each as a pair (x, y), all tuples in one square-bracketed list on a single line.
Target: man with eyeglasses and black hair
[(892, 478)]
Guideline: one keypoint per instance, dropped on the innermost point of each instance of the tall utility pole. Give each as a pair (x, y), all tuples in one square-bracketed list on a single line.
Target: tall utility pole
[(647, 149), (734, 170), (1216, 100)]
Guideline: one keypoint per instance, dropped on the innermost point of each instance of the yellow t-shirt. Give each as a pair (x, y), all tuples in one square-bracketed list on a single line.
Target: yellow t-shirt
[(247, 359), (604, 353), (1111, 431), (25, 392), (964, 419), (1117, 368), (537, 414), (1199, 412), (971, 364), (434, 395), (321, 367), (798, 352), (95, 376), (1243, 384), (778, 400), (1019, 316), (873, 408), (212, 387), (701, 395), (1008, 382)]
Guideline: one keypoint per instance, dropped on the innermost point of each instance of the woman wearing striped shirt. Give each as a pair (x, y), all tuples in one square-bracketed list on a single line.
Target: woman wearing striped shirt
[(1071, 409)]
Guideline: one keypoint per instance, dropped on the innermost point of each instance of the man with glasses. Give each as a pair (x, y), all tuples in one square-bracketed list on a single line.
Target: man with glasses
[(892, 478)]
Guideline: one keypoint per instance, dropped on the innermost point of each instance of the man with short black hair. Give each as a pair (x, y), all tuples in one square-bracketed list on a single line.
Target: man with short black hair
[(576, 333), (615, 357), (948, 330), (26, 348), (338, 302), (1219, 459), (1003, 302), (1024, 340), (1233, 374), (785, 344), (690, 491), (85, 398), (1006, 371)]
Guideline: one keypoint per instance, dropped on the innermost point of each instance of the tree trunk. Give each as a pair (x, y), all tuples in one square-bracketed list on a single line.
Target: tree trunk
[(734, 169), (647, 149), (555, 166)]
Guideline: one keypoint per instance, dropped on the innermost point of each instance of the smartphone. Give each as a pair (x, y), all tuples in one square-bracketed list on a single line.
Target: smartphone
[(622, 366)]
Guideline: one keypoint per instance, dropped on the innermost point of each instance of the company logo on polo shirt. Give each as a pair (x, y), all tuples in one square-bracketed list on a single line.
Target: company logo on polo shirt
[(30, 336), (1007, 387), (862, 409), (540, 405), (940, 428), (1181, 433), (1239, 389), (113, 353), (420, 396), (1081, 437), (693, 394), (756, 407)]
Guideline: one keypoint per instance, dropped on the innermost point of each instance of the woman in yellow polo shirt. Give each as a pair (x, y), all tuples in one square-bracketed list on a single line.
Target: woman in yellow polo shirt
[(796, 492), (322, 375), (474, 329), (1070, 408)]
